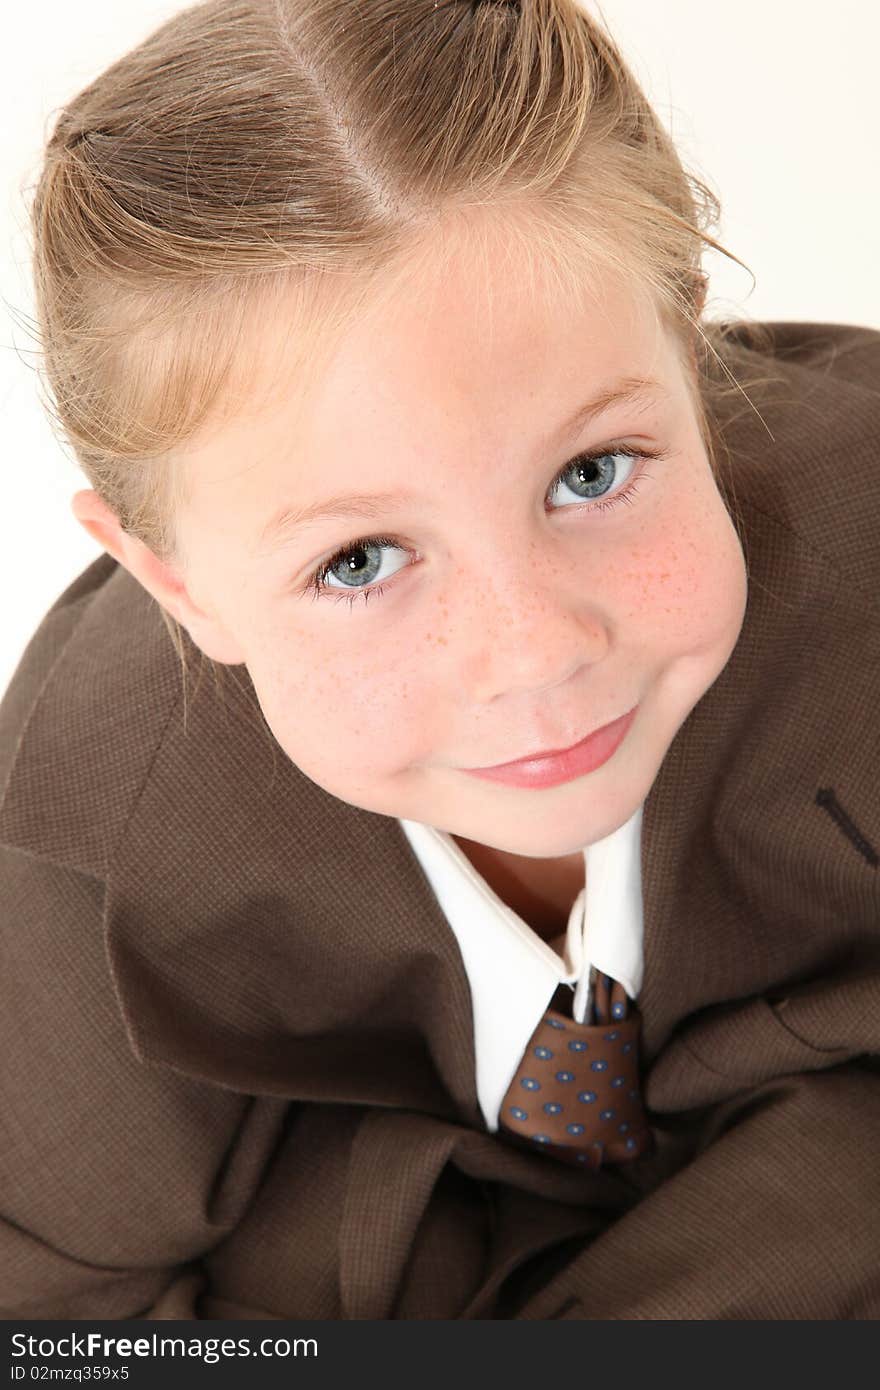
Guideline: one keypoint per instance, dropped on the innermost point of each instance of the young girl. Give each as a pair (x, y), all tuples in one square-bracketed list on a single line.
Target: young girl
[(542, 618)]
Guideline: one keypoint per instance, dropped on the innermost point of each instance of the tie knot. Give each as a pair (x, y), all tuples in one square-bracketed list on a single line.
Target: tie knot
[(610, 1000)]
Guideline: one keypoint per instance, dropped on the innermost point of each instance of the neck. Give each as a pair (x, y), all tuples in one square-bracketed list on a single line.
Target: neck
[(541, 891)]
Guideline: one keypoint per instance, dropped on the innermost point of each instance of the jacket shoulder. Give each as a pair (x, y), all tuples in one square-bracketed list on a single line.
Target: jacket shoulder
[(82, 716), (847, 349), (800, 440)]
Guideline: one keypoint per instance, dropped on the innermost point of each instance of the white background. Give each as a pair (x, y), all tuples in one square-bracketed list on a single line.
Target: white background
[(773, 104)]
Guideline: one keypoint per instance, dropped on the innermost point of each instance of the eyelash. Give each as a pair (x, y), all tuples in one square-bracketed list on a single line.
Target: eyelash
[(316, 583)]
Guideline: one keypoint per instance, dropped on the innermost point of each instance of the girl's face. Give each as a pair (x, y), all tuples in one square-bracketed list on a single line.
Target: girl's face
[(474, 610)]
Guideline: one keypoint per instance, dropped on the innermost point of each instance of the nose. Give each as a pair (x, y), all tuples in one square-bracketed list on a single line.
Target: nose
[(527, 634)]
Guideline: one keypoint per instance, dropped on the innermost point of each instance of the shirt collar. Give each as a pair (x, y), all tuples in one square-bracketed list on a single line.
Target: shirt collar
[(513, 973)]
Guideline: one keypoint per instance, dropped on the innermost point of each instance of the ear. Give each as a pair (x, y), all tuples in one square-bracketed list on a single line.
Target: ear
[(162, 581)]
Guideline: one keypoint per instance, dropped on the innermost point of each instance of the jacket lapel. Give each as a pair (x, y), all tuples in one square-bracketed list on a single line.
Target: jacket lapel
[(266, 936)]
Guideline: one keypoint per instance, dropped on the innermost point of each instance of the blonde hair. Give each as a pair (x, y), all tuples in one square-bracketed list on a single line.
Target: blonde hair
[(250, 150)]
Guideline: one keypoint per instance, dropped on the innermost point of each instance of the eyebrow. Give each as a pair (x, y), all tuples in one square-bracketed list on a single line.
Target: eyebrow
[(370, 506)]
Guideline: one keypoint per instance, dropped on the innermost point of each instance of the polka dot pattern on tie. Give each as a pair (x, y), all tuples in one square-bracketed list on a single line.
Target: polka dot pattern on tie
[(576, 1095)]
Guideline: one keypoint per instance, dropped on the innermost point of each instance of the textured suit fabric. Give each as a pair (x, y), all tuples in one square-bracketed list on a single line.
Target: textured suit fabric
[(236, 1035)]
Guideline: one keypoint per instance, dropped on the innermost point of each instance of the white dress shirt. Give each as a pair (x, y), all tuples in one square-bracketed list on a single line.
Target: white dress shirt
[(513, 973)]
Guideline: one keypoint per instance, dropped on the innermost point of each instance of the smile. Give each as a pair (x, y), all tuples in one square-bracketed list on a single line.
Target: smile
[(561, 765)]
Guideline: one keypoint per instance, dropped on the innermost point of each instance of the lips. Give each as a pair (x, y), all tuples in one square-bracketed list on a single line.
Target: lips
[(548, 769), (544, 753)]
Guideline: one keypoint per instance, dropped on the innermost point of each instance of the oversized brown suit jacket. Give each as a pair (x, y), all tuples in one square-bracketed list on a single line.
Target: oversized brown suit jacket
[(235, 1029)]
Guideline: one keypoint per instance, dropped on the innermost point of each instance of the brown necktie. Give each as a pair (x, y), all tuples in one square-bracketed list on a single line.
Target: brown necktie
[(576, 1093)]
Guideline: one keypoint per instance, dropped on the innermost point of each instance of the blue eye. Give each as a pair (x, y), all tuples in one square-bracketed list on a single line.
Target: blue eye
[(592, 475), (588, 477)]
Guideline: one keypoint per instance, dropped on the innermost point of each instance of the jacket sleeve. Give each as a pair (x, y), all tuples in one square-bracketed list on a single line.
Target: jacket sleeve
[(777, 1216), (115, 1176)]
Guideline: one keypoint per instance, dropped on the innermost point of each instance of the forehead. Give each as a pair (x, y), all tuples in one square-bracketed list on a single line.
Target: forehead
[(479, 337)]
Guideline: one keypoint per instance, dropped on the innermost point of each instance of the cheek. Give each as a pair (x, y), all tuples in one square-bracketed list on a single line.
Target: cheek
[(688, 584), (331, 708), (715, 573)]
